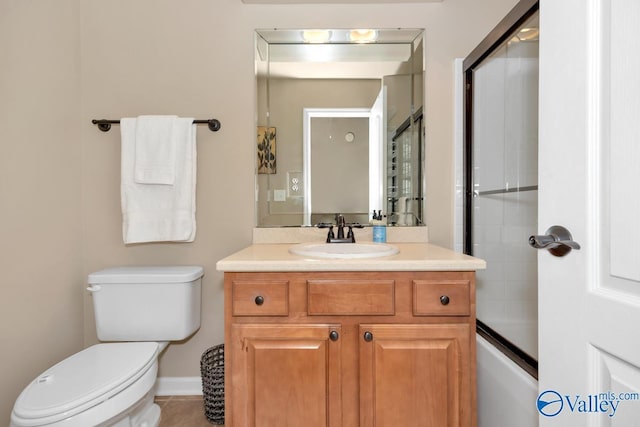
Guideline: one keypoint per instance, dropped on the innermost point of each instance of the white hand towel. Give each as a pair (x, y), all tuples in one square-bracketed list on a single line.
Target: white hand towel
[(151, 212), (155, 154), (401, 209)]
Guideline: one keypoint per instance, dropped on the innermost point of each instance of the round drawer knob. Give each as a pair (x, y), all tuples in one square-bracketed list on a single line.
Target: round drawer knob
[(333, 336), (259, 300), (444, 300), (368, 336)]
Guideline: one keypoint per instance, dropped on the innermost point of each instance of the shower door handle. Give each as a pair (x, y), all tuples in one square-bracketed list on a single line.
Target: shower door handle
[(557, 241)]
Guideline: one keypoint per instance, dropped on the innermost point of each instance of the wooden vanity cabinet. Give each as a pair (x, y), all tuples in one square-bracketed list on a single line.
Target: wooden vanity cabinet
[(415, 375), (382, 349), (285, 375)]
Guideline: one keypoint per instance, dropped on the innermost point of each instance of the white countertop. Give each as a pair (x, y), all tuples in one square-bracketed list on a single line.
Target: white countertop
[(412, 257)]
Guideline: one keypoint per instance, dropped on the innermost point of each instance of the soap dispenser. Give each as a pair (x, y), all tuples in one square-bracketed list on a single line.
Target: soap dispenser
[(379, 227)]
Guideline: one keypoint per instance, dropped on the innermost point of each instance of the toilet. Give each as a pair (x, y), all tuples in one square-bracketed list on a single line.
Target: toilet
[(138, 310)]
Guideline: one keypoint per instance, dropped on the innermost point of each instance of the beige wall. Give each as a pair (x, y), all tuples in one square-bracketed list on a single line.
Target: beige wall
[(339, 169), (40, 181), (67, 62)]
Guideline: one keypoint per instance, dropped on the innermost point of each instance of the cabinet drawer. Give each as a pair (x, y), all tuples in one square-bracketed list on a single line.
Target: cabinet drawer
[(351, 297), (260, 298), (441, 297)]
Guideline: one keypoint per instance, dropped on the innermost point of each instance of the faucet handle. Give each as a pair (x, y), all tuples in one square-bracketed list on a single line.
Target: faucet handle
[(330, 235), (350, 234)]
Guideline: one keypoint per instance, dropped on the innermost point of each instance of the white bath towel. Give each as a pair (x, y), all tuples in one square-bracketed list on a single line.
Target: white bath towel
[(152, 212), (155, 152)]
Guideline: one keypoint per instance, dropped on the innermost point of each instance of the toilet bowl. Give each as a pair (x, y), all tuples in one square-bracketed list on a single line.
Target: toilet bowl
[(112, 384)]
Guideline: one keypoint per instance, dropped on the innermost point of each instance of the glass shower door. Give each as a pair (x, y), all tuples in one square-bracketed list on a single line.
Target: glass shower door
[(504, 200)]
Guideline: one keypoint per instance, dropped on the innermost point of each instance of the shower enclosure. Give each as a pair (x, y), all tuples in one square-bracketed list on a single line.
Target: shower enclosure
[(501, 185)]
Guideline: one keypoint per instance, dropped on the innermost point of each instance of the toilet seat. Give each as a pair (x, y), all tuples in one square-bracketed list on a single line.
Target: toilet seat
[(83, 381)]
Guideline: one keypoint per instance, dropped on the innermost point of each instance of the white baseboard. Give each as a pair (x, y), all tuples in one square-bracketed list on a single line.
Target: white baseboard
[(179, 386)]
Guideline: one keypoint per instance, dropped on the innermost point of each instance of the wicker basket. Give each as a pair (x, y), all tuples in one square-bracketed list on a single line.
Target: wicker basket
[(212, 370)]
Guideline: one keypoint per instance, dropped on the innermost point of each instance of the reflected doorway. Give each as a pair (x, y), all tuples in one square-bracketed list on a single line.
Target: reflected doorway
[(341, 164)]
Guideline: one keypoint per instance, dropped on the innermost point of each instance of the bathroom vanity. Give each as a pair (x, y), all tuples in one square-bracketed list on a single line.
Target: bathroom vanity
[(386, 341)]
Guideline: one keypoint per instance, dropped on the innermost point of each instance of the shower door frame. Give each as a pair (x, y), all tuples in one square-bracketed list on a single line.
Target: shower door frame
[(505, 29)]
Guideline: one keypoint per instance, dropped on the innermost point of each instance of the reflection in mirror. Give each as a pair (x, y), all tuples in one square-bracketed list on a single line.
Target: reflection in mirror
[(343, 109), (341, 138)]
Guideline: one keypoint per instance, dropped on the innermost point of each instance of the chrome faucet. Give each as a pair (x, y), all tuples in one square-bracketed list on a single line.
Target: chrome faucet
[(341, 224)]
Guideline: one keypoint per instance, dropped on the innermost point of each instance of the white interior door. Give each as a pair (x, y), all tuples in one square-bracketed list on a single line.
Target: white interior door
[(589, 175), (377, 133)]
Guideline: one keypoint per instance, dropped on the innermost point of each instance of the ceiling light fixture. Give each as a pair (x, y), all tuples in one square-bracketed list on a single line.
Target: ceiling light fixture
[(363, 36), (316, 36)]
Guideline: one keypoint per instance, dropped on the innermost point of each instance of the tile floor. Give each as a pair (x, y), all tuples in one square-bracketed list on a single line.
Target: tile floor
[(182, 411)]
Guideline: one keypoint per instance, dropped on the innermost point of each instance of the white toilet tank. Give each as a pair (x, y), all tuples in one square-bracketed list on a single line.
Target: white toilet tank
[(146, 303)]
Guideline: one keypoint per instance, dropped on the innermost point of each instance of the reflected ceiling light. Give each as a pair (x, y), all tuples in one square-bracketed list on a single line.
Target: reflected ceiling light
[(528, 34), (316, 36), (363, 36)]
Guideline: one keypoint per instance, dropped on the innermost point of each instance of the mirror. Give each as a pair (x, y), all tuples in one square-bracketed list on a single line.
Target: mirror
[(339, 126)]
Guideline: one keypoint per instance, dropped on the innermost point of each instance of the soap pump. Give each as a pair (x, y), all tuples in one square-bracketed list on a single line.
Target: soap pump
[(379, 227)]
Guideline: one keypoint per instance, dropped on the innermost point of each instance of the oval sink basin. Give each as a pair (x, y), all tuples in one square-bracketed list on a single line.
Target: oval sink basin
[(343, 250)]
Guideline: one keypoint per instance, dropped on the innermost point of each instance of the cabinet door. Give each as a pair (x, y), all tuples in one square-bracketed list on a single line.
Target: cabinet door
[(415, 375), (285, 375)]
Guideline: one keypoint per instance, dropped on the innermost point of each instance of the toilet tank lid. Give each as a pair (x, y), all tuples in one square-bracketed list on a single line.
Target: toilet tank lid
[(147, 274)]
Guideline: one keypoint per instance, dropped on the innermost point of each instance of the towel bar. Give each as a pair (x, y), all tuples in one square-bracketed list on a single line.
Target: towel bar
[(105, 125)]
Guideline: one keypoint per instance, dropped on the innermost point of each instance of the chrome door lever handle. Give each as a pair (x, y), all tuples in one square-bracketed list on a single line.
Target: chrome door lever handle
[(549, 242), (557, 241)]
